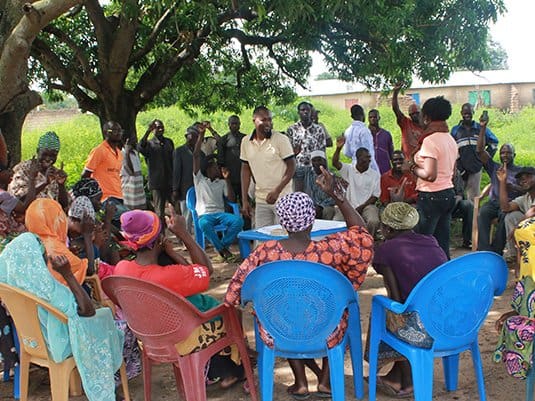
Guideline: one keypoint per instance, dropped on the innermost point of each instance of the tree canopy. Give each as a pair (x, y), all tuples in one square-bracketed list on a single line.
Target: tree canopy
[(119, 57)]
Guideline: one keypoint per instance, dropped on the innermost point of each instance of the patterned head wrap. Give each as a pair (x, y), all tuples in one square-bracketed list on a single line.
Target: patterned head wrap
[(296, 211), (81, 207), (86, 187), (141, 228), (400, 216), (49, 140)]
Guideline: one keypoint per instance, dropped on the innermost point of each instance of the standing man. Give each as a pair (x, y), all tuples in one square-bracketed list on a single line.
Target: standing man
[(158, 152), (183, 173), (131, 177), (315, 115), (382, 142), (104, 164), (396, 185), (359, 136), (468, 163), (411, 130), (364, 187), (305, 136), (267, 156), (228, 152), (491, 210)]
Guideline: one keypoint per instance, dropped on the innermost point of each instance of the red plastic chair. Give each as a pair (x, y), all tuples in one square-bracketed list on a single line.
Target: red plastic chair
[(160, 319)]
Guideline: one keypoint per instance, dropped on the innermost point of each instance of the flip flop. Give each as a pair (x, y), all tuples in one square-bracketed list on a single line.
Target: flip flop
[(387, 389), (323, 394), (300, 397)]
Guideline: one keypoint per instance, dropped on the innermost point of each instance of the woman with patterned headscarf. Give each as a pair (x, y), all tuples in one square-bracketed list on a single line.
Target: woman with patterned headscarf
[(50, 181), (349, 252)]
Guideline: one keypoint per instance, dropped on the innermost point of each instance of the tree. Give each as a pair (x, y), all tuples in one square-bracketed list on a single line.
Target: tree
[(20, 22), (497, 56), (116, 59)]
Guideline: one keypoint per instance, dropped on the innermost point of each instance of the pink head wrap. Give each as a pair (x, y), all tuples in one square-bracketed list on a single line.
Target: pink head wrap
[(140, 228)]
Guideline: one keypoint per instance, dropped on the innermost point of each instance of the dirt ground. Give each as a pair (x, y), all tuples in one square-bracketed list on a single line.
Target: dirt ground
[(499, 385)]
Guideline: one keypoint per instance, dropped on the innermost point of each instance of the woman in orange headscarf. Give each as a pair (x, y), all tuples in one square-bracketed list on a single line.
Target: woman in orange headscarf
[(46, 218)]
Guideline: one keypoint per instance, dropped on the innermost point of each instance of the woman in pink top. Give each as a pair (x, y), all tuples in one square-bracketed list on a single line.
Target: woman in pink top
[(433, 165)]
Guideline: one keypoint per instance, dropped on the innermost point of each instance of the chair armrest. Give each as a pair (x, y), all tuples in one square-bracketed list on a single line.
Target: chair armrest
[(387, 303), (485, 192)]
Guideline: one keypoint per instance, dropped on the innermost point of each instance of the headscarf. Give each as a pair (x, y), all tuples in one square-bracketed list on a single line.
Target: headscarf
[(49, 140), (81, 207), (140, 228), (95, 342), (86, 187), (296, 211), (400, 216), (46, 218)]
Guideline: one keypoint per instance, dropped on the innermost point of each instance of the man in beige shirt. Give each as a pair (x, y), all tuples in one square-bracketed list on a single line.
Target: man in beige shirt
[(268, 157)]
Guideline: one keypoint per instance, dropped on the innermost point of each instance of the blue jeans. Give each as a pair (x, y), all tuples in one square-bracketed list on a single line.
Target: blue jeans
[(435, 210), (233, 224)]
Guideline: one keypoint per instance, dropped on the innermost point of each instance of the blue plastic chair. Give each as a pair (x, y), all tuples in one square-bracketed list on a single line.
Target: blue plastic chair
[(300, 303), (452, 302), (199, 235)]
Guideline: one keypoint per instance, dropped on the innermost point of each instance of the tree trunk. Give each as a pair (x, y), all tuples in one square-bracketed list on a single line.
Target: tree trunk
[(122, 112), (11, 123)]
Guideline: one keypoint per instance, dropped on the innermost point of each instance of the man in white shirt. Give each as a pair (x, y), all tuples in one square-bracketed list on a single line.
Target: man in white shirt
[(364, 187), (358, 135)]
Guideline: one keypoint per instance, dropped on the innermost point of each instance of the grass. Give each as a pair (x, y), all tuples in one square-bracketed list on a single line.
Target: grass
[(82, 133)]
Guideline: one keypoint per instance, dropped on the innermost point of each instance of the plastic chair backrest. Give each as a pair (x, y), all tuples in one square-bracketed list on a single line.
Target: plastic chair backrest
[(454, 299), (191, 201), (157, 316), (22, 307), (299, 303)]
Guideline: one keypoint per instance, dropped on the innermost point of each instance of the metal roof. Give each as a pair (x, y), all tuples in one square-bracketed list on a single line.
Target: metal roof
[(459, 78)]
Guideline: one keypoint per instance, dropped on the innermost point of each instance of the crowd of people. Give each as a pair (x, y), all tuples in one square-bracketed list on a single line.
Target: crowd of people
[(397, 205)]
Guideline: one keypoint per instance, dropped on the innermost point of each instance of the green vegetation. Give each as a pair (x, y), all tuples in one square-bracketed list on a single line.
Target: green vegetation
[(81, 134)]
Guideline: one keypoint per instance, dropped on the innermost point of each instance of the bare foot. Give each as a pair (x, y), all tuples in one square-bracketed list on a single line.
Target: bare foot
[(323, 388), (296, 389)]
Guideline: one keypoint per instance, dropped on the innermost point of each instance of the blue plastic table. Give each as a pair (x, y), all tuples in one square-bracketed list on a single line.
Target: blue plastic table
[(320, 229)]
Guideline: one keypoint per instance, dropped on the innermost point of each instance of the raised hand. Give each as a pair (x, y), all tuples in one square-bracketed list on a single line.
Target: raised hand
[(501, 174), (225, 172), (175, 223), (61, 264), (340, 141)]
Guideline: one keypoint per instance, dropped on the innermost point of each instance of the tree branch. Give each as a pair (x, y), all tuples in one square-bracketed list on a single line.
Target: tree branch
[(245, 39), (102, 27), (280, 64), (87, 76), (151, 41)]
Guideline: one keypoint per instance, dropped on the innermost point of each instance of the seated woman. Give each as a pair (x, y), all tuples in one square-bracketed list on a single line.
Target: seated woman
[(517, 327), (403, 259), (143, 232), (349, 252), (50, 181), (45, 218), (90, 336)]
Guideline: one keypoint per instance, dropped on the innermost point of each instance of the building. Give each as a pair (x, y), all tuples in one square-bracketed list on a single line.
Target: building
[(503, 89)]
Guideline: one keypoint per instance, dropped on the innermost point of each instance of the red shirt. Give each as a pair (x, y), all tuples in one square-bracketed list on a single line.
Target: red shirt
[(410, 133), (388, 180), (184, 280)]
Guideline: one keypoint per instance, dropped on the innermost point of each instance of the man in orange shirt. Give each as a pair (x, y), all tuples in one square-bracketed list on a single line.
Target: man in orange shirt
[(397, 186), (411, 130), (104, 165)]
